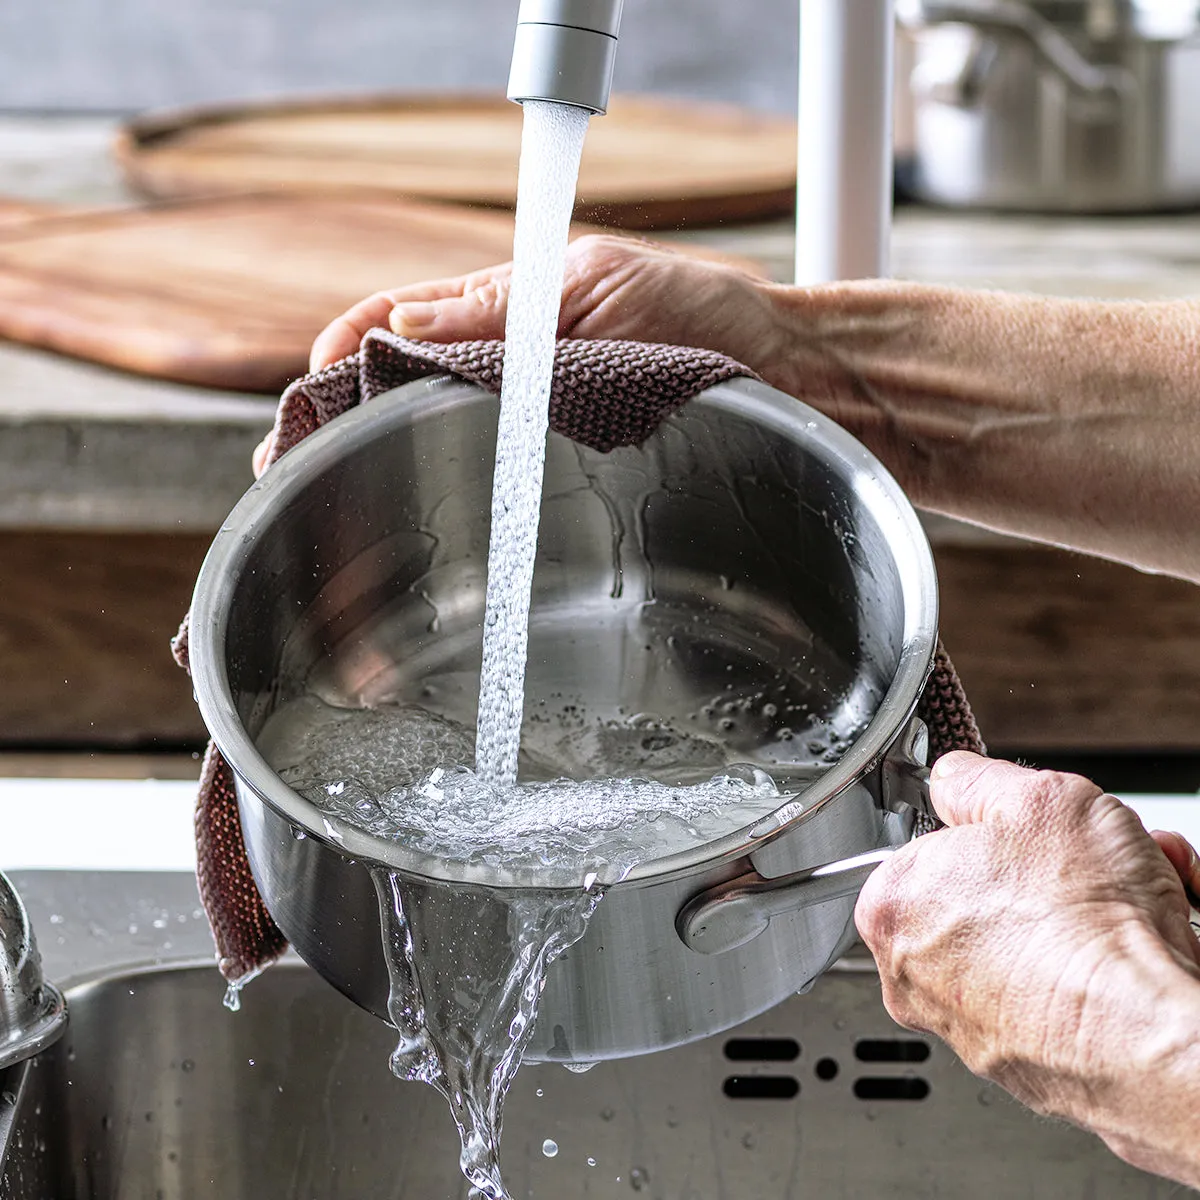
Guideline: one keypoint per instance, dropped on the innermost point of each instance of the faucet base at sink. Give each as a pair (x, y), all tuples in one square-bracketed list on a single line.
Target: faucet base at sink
[(158, 1093)]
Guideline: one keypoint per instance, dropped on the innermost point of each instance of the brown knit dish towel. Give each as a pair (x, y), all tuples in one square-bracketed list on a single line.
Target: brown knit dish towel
[(605, 394)]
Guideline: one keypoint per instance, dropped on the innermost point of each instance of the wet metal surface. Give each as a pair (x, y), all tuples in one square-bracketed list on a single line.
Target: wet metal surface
[(158, 1092)]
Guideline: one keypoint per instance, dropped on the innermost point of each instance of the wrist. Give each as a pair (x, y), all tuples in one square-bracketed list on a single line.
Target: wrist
[(864, 353), (1138, 1078)]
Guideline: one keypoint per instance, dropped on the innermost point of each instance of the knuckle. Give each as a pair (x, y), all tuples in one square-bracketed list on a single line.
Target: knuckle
[(882, 904), (596, 254), (1062, 784), (489, 294)]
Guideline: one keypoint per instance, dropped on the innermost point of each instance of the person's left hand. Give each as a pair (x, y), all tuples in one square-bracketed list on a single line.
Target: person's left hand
[(1044, 935)]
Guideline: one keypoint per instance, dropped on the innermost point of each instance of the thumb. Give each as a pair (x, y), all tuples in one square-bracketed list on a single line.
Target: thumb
[(967, 788), (478, 314)]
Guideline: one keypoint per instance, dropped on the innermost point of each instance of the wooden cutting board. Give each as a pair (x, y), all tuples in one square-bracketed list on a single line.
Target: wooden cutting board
[(227, 293), (648, 164)]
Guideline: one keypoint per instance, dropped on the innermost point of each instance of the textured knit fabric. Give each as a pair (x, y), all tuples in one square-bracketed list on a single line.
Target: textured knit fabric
[(605, 394)]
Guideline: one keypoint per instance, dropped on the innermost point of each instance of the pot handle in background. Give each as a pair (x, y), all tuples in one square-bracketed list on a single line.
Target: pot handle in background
[(1009, 16)]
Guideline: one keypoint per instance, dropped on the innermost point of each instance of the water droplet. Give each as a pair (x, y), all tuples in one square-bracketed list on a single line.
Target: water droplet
[(607, 1114), (549, 1148), (749, 1140), (540, 1093), (639, 1177), (187, 1065), (579, 1068), (591, 1162)]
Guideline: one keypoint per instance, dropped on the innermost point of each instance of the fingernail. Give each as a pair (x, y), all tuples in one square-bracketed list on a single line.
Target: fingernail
[(412, 317), (948, 764)]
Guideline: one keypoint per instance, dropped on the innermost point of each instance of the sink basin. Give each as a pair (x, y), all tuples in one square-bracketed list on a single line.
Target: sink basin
[(158, 1093)]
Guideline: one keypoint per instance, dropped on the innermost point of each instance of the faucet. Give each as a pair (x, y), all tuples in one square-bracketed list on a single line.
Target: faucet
[(33, 1013), (565, 51)]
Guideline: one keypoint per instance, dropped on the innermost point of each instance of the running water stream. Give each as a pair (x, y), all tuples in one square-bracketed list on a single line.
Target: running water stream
[(468, 963), (551, 147)]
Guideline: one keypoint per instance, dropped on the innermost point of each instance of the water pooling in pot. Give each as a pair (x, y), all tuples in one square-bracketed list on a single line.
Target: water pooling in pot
[(467, 963)]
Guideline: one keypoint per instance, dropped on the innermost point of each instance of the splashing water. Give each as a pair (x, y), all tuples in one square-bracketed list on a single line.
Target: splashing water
[(467, 964), (551, 147)]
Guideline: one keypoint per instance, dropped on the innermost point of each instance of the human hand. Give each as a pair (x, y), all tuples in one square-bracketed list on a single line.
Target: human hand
[(613, 288), (1044, 935)]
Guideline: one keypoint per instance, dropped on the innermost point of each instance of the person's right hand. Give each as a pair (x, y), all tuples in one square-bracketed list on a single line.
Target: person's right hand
[(614, 288), (1044, 935)]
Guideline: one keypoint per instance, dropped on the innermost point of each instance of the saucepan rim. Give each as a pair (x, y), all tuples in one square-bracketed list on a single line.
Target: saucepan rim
[(255, 513)]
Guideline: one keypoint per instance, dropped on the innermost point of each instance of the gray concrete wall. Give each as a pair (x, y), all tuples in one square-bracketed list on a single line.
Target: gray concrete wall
[(120, 55)]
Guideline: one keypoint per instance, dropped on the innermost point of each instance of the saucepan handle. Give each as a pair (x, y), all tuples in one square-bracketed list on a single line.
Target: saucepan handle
[(731, 914), (734, 913)]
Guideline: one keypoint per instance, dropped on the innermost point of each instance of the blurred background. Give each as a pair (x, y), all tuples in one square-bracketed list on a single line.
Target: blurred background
[(127, 55)]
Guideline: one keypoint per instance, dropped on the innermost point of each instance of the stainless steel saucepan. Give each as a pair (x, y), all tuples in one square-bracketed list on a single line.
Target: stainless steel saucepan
[(1056, 105), (750, 575)]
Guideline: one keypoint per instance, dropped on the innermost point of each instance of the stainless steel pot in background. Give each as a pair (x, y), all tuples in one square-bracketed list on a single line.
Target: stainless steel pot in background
[(750, 571), (1056, 105)]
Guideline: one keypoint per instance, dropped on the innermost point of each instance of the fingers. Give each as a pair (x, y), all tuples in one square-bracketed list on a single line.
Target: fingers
[(261, 453), (476, 311), (1182, 856), (967, 789), (464, 308), (342, 337)]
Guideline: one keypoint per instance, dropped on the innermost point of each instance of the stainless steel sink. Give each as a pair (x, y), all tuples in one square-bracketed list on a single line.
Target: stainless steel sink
[(158, 1093)]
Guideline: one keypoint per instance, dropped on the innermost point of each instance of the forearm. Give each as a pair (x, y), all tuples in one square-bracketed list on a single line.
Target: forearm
[(1142, 1080), (1074, 422)]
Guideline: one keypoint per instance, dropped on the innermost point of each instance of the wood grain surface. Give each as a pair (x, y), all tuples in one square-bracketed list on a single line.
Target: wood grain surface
[(1062, 652), (1057, 652), (85, 626), (227, 293), (648, 164)]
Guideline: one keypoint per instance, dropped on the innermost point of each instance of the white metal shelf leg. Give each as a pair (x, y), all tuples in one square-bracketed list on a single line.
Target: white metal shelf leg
[(844, 184)]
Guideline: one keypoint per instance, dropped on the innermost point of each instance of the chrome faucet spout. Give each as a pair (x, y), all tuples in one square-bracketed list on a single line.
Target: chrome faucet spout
[(565, 51), (32, 1013)]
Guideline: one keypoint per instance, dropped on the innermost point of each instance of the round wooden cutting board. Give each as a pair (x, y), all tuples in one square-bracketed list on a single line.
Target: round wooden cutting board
[(648, 164)]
